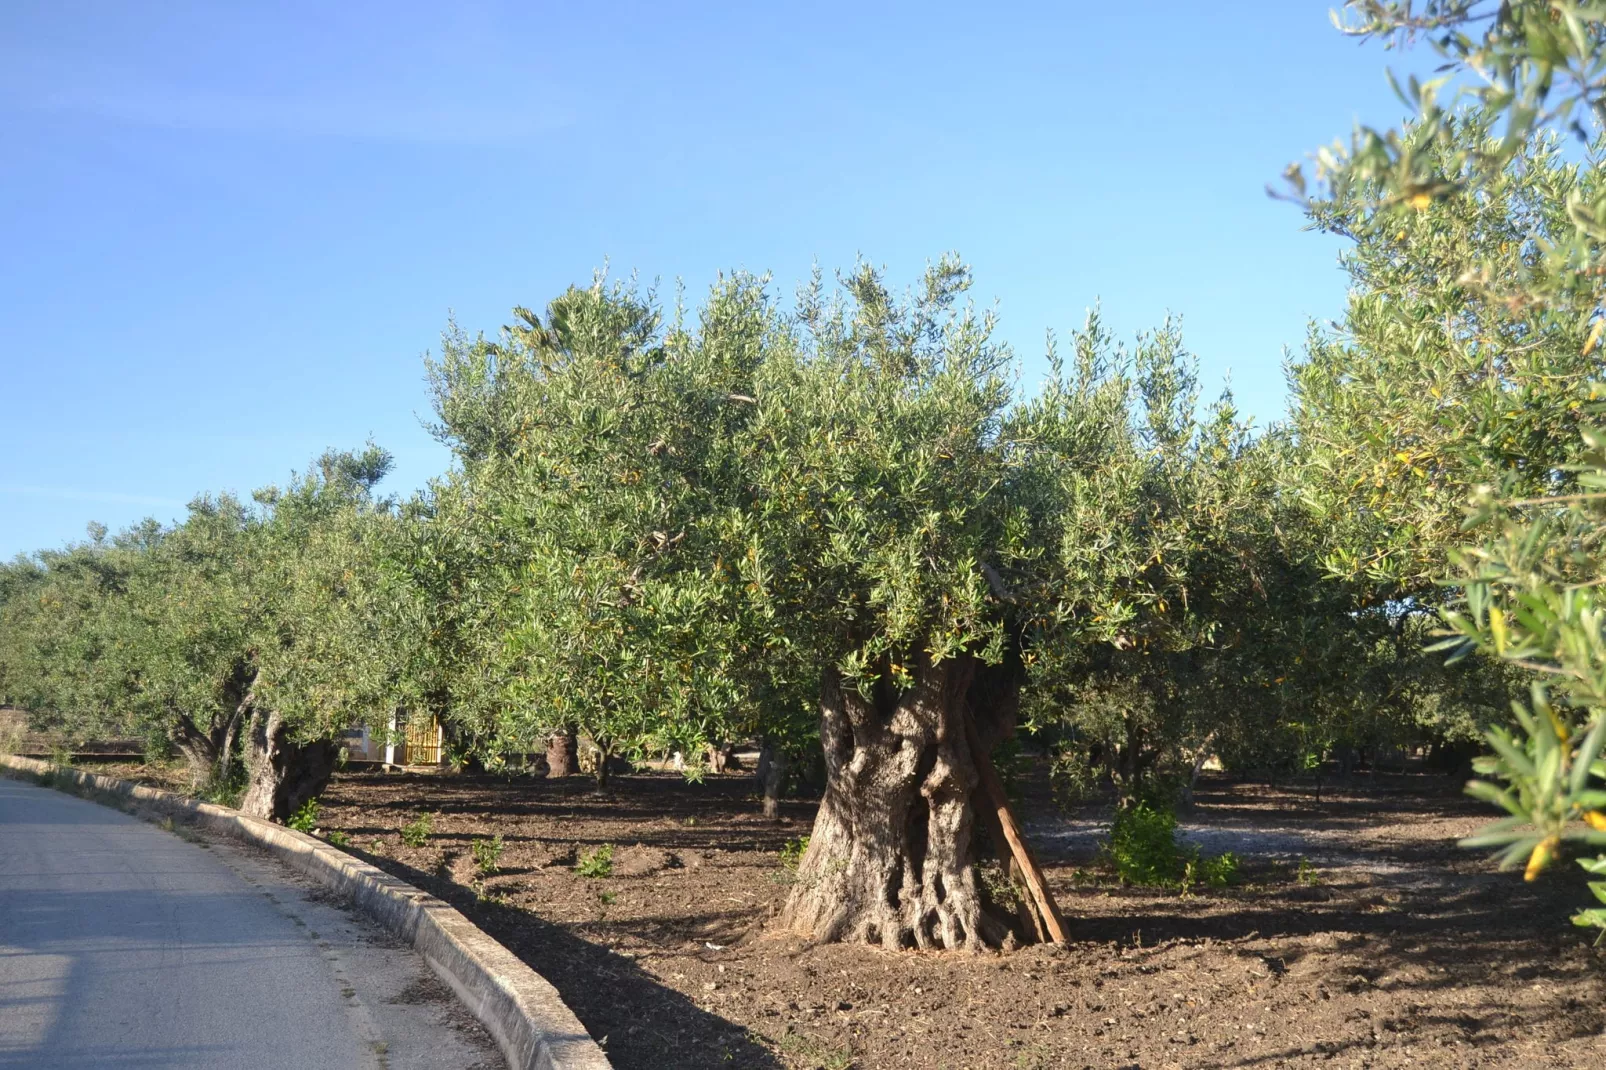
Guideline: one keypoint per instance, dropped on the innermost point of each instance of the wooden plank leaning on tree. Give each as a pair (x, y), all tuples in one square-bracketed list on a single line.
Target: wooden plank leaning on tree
[(1036, 884)]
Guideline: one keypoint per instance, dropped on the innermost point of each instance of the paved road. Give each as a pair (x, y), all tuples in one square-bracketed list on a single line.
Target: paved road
[(124, 945)]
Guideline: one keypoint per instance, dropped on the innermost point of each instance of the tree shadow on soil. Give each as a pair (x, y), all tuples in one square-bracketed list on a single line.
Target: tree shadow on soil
[(642, 1024), (1488, 932)]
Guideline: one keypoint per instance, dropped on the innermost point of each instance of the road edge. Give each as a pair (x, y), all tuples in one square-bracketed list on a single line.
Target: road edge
[(532, 1025)]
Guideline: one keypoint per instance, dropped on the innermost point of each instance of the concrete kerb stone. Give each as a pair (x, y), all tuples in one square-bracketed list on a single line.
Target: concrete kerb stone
[(530, 1022)]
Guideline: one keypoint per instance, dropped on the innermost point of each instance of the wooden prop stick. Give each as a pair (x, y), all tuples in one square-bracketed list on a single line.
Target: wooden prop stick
[(1029, 915), (1035, 883)]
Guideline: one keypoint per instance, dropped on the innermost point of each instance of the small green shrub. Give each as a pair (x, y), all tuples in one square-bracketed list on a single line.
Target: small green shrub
[(792, 852), (487, 855), (1143, 845), (339, 838), (1220, 870), (416, 833), (305, 819), (597, 863), (1307, 875), (1143, 849)]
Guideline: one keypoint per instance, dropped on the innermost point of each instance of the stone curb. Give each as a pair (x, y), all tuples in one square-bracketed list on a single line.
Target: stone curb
[(530, 1022)]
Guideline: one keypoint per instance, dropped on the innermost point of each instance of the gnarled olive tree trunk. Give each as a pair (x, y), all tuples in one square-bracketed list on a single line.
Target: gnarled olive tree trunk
[(892, 856), (281, 773), (562, 756), (206, 752), (209, 752)]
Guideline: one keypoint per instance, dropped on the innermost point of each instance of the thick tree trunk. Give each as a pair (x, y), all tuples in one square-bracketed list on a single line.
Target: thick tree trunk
[(282, 774), (208, 753), (198, 749), (891, 859), (720, 756), (561, 754), (771, 777)]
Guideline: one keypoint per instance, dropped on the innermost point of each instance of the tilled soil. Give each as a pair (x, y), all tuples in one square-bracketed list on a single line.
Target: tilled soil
[(1395, 948)]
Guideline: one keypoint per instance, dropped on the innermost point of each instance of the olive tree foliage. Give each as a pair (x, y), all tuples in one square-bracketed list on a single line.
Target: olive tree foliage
[(588, 518), (1174, 598), (1434, 384), (248, 636), (1532, 600), (53, 621), (1537, 70)]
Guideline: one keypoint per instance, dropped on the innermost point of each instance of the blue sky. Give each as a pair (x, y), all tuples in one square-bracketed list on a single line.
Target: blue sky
[(229, 232)]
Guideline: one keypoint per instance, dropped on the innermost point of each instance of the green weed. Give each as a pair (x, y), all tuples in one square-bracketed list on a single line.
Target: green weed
[(1143, 849), (597, 863), (487, 855), (1000, 889), (815, 1054), (305, 818), (417, 832), (1143, 845), (339, 838), (1221, 870), (792, 852)]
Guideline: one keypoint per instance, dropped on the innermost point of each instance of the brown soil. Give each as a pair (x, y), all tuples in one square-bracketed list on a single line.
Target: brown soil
[(1400, 949)]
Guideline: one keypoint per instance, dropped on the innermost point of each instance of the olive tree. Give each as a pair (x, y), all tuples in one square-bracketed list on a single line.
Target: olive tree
[(878, 513), (63, 641), (597, 468), (1526, 594), (1173, 595), (330, 627), (249, 636)]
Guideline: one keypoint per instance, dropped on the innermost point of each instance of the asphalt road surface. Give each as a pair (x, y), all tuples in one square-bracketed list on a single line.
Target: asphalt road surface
[(126, 945)]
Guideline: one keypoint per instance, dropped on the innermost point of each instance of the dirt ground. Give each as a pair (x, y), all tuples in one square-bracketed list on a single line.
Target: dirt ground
[(1395, 948)]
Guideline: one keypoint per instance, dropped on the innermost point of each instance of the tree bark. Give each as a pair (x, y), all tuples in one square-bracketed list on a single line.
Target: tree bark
[(197, 747), (771, 777), (208, 753), (720, 756), (891, 858), (281, 773), (561, 754)]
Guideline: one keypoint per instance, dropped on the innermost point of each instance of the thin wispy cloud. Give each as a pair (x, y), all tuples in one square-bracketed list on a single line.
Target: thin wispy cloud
[(327, 71), (72, 494)]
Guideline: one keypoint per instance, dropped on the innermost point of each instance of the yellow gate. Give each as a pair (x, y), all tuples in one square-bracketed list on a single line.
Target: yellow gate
[(423, 742)]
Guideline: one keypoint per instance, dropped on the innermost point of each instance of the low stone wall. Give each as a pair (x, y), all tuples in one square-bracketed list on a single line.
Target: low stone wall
[(522, 1010)]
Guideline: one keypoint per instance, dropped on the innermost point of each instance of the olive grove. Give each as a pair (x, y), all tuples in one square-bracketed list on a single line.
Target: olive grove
[(842, 526)]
